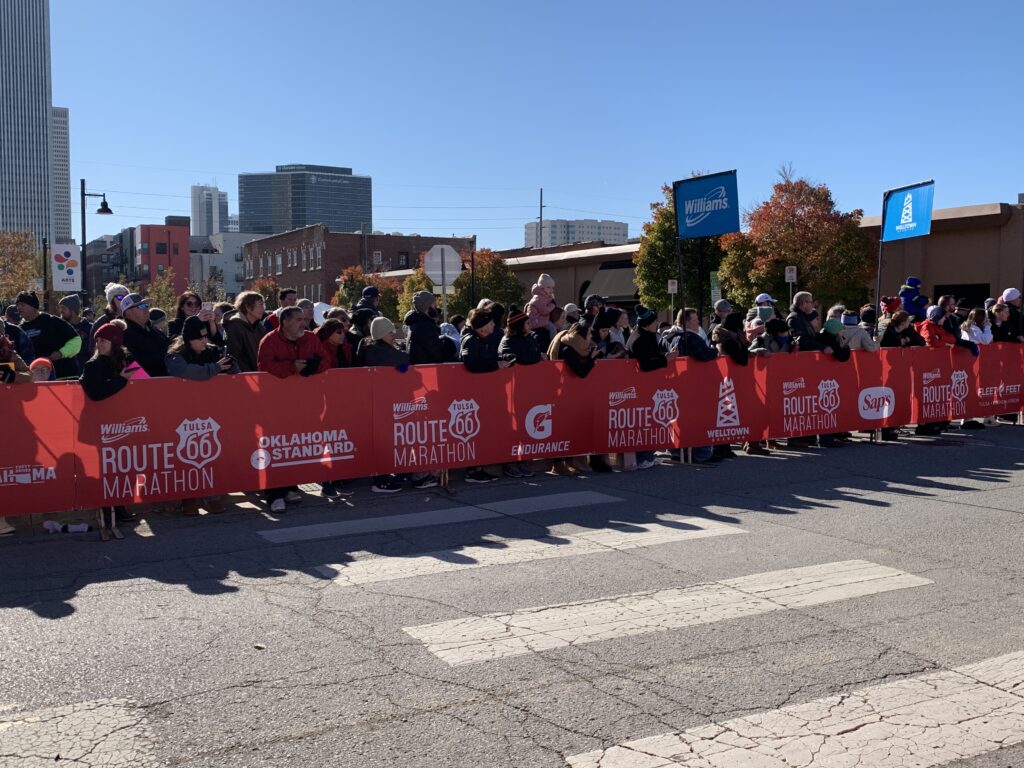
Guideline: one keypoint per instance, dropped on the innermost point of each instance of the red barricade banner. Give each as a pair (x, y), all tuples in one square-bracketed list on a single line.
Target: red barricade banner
[(168, 439)]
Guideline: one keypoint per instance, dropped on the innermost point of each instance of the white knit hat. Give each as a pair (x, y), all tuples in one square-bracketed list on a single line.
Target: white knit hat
[(115, 289), (1010, 294)]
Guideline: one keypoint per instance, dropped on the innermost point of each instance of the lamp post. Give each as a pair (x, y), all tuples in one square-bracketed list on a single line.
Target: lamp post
[(103, 210)]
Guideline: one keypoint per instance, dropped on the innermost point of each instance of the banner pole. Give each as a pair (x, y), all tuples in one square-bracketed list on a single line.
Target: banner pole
[(881, 243)]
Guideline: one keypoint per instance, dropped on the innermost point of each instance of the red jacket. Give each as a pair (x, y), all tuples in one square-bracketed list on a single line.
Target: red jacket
[(935, 335), (278, 355)]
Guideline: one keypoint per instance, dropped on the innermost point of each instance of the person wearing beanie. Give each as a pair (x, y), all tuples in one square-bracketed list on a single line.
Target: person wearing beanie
[(600, 330), (572, 313), (479, 356), (70, 309), (113, 292), (722, 309), (911, 300), (1011, 297), (159, 319), (383, 350), (542, 301), (854, 336), (774, 339), (370, 299), (519, 346), (936, 334), (592, 306), (41, 369), (52, 338), (425, 345)]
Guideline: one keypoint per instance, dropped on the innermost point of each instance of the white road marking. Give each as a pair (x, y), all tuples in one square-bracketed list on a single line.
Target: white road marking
[(494, 636), (925, 721), (512, 551), (464, 514)]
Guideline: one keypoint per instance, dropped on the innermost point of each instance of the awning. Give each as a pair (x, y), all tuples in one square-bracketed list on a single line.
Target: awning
[(618, 284)]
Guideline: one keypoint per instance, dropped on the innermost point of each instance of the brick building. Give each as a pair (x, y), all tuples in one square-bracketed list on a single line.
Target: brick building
[(310, 259)]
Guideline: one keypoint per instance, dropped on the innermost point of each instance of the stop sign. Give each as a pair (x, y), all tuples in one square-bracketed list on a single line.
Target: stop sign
[(442, 265)]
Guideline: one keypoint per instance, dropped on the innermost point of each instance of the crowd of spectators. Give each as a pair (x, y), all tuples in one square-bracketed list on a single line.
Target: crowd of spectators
[(131, 339)]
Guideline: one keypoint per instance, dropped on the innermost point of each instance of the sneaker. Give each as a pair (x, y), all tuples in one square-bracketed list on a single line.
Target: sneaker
[(755, 449), (277, 506), (213, 506), (479, 476), (512, 471), (293, 497), (425, 482), (340, 489), (972, 425), (190, 508), (6, 529), (598, 464), (386, 486), (328, 491), (524, 472), (645, 464)]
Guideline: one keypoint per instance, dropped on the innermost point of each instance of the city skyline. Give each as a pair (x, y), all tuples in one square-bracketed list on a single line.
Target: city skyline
[(449, 150)]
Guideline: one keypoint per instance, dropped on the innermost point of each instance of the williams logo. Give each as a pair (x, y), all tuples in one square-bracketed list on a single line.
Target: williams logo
[(700, 208), (618, 398), (666, 408), (929, 376), (876, 403), (828, 396), (789, 387), (198, 442), (112, 433), (405, 410), (464, 423)]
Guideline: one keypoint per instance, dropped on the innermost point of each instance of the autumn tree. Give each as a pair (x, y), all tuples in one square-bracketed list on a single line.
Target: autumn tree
[(161, 293), (417, 281), (267, 288), (799, 225), (19, 264), (495, 280), (350, 290), (657, 261)]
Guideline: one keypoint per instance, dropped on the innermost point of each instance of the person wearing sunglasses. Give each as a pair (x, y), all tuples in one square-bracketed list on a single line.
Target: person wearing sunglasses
[(190, 305), (114, 293), (147, 345)]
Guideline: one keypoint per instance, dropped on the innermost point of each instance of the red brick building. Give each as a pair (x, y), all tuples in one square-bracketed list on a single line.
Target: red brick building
[(160, 247), (311, 259)]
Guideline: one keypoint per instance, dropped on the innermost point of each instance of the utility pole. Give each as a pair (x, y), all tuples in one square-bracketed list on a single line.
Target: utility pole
[(540, 221)]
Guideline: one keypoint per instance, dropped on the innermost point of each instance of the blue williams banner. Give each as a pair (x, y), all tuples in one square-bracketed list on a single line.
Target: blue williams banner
[(706, 205), (907, 211)]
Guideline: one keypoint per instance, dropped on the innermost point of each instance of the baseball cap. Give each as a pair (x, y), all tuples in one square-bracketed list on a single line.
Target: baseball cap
[(371, 292), (761, 298), (133, 300), (723, 305), (593, 299)]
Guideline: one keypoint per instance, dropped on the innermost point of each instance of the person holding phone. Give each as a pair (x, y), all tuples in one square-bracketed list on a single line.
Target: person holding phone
[(104, 375), (191, 305)]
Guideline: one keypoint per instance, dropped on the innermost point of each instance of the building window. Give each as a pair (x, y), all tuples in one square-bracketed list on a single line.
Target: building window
[(278, 261), (303, 259), (319, 257), (403, 259), (161, 249)]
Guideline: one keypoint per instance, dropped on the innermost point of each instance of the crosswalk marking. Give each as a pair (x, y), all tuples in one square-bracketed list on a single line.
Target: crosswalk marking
[(510, 552), (463, 514), (924, 721), (499, 635)]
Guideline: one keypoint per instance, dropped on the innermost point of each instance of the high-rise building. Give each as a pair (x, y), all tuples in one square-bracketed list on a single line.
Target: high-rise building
[(567, 231), (301, 195), (25, 115), (232, 223), (60, 174), (209, 210)]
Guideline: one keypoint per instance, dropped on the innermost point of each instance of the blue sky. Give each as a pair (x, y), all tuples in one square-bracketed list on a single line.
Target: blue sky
[(460, 111)]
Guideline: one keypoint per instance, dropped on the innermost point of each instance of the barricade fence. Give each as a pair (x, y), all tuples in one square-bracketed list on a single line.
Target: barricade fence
[(164, 439)]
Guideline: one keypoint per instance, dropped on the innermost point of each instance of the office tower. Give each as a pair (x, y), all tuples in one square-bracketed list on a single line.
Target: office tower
[(297, 196), (60, 174), (209, 210)]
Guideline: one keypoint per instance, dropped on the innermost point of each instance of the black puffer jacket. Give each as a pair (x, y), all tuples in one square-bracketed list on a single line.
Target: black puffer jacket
[(801, 329), (649, 350), (522, 349), (424, 339), (148, 347), (477, 354)]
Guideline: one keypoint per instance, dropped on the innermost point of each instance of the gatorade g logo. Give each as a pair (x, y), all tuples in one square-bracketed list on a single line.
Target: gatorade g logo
[(828, 395), (464, 423), (959, 385), (538, 421), (665, 409), (700, 208)]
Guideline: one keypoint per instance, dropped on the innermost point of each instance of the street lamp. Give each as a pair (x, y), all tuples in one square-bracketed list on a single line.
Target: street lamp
[(103, 210)]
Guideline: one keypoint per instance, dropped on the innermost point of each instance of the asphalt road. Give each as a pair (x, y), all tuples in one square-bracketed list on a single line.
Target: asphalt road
[(852, 607)]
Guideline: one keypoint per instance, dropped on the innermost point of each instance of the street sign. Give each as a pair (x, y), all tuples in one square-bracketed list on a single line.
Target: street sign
[(442, 264), (448, 289), (716, 289), (790, 274), (673, 286)]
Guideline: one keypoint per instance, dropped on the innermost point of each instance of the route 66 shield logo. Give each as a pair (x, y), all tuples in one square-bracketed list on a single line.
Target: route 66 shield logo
[(959, 385), (666, 409), (464, 423), (828, 395), (198, 442)]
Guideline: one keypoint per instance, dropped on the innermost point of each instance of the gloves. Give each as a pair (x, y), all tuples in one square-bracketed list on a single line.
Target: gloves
[(6, 375), (312, 366)]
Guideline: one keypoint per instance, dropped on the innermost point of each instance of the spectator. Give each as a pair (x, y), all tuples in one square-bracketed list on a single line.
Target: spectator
[(190, 305), (651, 353), (1002, 331), (752, 329), (13, 369), (685, 339), (191, 356), (425, 345), (831, 340), (383, 350), (308, 311), (913, 303), (1012, 299), (976, 327), (11, 314), (600, 329), (950, 320), (519, 346), (854, 336), (159, 319), (730, 340), (52, 338), (359, 334), (370, 299), (220, 309), (332, 338), (723, 308), (935, 333), (801, 320), (541, 302), (244, 330), (40, 370), (900, 332), (289, 351), (70, 308), (479, 356), (617, 333), (114, 293), (869, 320), (89, 314), (148, 347), (888, 305), (572, 314), (286, 297), (592, 307), (451, 342), (574, 347), (459, 322), (12, 331), (764, 308), (775, 339)]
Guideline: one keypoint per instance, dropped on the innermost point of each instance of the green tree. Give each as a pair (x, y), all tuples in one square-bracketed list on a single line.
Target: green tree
[(494, 281), (417, 281), (800, 225), (350, 290), (657, 261), (161, 293), (267, 287)]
